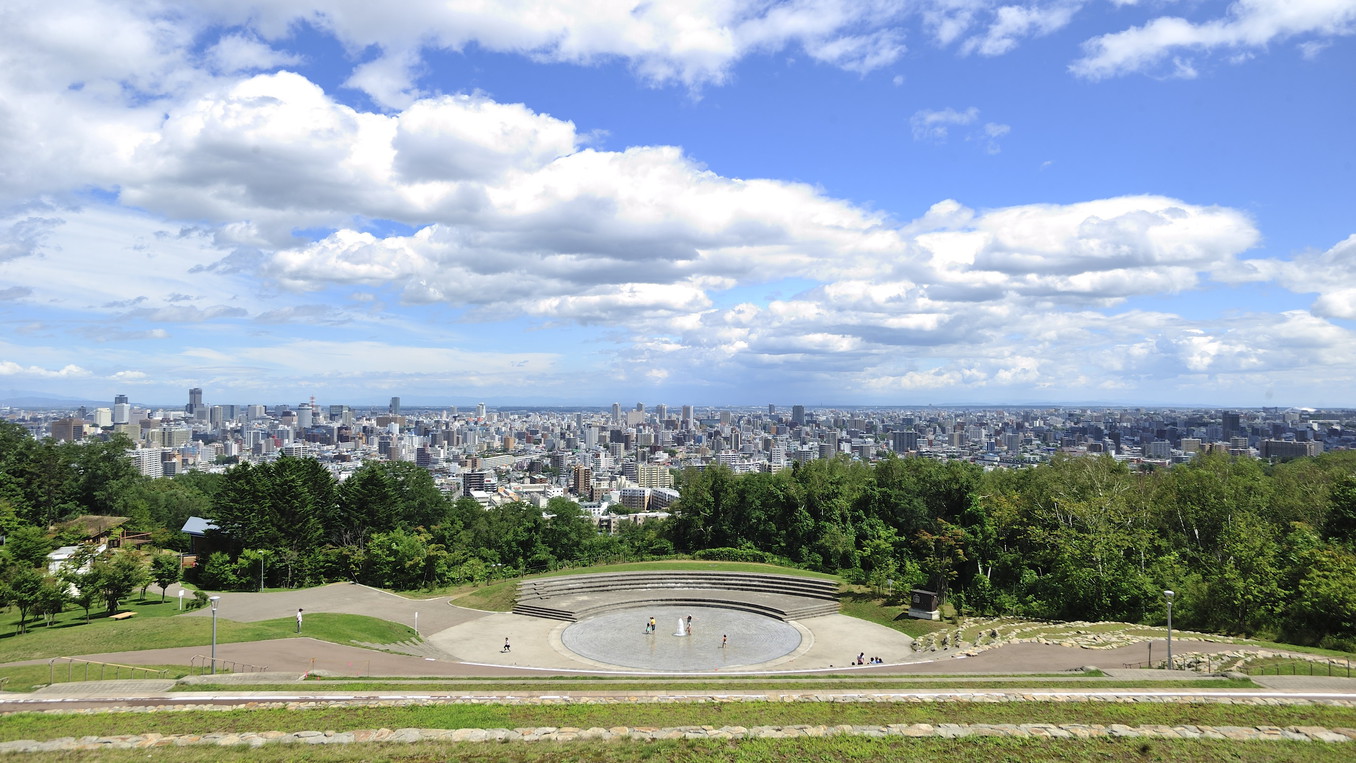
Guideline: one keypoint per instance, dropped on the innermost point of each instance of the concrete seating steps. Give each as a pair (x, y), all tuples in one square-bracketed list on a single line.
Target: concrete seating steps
[(546, 588), (788, 597)]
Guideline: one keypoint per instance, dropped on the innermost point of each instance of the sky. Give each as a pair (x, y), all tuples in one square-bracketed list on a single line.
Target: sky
[(711, 202)]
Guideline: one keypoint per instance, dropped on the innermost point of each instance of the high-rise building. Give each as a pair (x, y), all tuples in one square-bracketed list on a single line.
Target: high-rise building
[(68, 429), (903, 442), (616, 413), (1231, 425), (195, 409), (341, 414), (687, 417), (472, 481), (798, 415), (395, 406), (772, 409), (581, 482), (480, 410)]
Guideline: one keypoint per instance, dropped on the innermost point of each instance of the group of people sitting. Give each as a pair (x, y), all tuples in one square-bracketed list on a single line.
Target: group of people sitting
[(862, 660)]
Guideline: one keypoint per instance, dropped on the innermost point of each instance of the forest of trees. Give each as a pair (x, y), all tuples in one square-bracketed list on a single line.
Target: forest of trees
[(1250, 548)]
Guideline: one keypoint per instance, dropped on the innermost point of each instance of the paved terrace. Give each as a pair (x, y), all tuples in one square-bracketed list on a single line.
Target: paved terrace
[(463, 642)]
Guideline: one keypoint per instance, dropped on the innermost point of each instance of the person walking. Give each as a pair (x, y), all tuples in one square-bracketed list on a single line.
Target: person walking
[(723, 639), (506, 648), (298, 619)]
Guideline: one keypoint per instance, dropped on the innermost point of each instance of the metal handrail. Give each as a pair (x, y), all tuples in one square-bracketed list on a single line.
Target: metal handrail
[(201, 664), (103, 669)]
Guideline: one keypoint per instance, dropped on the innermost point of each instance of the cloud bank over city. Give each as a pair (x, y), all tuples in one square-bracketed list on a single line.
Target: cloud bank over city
[(953, 201)]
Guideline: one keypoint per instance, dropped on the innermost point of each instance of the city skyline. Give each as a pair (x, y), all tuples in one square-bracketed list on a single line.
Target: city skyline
[(829, 202)]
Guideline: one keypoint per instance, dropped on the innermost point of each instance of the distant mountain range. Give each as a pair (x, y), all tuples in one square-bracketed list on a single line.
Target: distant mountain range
[(22, 398)]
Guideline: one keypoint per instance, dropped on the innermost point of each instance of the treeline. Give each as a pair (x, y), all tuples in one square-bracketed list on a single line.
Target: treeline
[(1248, 548), (388, 525)]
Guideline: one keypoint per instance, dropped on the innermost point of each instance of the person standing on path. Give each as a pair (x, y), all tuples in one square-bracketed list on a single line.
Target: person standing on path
[(689, 625), (506, 648), (723, 639), (298, 619)]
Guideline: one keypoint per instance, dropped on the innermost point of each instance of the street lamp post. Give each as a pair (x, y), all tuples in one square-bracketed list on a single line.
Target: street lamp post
[(214, 600), (1168, 595)]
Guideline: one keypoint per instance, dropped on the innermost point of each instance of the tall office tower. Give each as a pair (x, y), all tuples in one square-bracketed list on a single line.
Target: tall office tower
[(1231, 425), (194, 409), (122, 412), (480, 410), (395, 406), (640, 407), (304, 416), (662, 411), (772, 409), (103, 417), (687, 417), (616, 413), (341, 414), (798, 415)]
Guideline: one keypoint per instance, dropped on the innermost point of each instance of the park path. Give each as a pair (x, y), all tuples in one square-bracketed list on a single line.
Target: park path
[(435, 614)]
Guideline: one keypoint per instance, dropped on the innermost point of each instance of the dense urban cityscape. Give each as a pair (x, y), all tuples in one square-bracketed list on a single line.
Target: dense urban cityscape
[(622, 459)]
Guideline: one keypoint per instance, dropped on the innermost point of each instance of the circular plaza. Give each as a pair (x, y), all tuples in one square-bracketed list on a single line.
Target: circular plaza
[(719, 638)]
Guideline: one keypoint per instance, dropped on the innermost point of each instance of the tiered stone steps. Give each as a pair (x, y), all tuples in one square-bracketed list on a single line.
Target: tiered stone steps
[(573, 597)]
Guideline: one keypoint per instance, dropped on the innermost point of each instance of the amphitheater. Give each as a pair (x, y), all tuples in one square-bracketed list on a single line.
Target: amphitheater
[(738, 622)]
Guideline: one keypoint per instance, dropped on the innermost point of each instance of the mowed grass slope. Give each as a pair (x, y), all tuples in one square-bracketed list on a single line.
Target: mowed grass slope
[(452, 716), (1006, 750), (73, 636)]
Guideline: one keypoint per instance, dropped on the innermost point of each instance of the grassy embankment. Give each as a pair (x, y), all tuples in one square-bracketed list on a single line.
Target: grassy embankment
[(160, 625), (1006, 750), (451, 716)]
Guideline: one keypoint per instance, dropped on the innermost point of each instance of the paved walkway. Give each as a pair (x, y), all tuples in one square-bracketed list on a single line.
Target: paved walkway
[(344, 598), (469, 643)]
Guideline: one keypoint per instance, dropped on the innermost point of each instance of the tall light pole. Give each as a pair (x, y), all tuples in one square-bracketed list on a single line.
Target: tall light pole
[(214, 600), (1168, 595)]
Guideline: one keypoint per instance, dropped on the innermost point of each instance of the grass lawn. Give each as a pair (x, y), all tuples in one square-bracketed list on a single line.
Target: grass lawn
[(763, 751), (1281, 666), (72, 636), (448, 716), (864, 603), (28, 677)]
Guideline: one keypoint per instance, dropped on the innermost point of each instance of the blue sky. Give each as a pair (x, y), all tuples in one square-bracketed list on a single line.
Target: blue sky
[(720, 202)]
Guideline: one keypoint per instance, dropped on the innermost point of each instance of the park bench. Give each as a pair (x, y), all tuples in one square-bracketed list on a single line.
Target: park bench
[(123, 616)]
